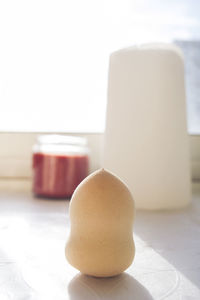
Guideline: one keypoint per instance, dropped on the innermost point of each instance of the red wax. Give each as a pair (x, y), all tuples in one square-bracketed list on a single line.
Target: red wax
[(57, 176)]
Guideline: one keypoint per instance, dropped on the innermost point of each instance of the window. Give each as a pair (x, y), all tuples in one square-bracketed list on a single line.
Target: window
[(54, 58), (191, 51)]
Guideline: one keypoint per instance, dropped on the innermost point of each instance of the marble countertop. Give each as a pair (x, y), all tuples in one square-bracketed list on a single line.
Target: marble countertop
[(33, 233)]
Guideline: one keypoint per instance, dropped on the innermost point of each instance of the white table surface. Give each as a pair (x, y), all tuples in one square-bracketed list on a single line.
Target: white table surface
[(33, 233)]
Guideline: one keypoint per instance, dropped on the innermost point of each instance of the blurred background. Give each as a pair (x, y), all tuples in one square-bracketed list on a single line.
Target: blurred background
[(54, 59)]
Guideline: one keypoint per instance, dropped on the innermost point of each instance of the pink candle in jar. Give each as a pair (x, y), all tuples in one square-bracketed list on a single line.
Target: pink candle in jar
[(60, 163)]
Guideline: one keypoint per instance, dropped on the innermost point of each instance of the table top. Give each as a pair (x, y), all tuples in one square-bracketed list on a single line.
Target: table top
[(33, 233)]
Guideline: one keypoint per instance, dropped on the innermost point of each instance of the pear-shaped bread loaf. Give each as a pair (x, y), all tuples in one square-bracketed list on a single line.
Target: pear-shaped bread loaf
[(101, 216)]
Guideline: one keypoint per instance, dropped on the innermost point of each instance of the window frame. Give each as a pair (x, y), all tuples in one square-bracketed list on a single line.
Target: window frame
[(16, 150)]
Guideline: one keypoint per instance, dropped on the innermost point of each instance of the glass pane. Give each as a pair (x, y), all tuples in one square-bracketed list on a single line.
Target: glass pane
[(191, 51), (54, 57)]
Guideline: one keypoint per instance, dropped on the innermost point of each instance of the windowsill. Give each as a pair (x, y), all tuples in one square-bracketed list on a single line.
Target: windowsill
[(24, 186), (16, 152), (15, 185)]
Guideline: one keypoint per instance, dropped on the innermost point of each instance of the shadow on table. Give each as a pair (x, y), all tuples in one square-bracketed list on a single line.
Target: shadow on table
[(119, 287)]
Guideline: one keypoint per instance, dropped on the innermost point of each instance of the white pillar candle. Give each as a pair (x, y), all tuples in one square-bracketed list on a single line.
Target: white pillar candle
[(146, 140)]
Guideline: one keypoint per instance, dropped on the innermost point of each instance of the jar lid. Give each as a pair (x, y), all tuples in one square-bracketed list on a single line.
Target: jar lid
[(61, 139), (61, 145)]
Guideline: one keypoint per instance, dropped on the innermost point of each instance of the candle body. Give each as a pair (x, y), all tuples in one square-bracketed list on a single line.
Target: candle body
[(146, 140)]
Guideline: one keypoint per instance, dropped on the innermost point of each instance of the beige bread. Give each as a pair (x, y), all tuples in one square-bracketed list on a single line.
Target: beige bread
[(101, 215)]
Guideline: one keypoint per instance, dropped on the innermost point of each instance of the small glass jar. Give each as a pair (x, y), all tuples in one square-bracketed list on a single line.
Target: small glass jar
[(59, 163)]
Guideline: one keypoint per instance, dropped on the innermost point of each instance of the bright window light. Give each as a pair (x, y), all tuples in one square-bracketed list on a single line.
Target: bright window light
[(54, 56)]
